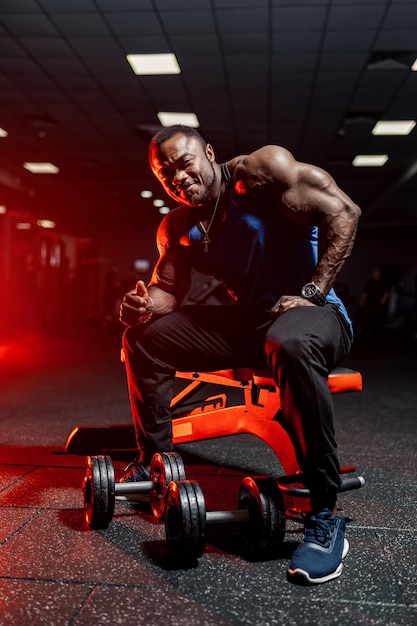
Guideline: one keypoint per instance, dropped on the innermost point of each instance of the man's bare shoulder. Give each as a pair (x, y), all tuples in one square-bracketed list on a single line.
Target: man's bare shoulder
[(270, 164)]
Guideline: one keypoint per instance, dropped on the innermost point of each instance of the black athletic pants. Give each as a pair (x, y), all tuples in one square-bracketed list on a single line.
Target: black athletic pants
[(300, 347)]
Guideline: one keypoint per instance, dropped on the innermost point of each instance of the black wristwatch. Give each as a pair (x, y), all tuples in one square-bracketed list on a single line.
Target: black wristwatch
[(311, 292)]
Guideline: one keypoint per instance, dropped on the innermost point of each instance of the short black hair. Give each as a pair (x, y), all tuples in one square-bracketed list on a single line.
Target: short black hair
[(177, 129)]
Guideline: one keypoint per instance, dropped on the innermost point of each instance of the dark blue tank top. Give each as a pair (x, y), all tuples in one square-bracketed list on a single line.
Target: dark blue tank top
[(258, 254)]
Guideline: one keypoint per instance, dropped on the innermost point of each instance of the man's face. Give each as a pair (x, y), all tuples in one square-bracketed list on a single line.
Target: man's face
[(185, 169)]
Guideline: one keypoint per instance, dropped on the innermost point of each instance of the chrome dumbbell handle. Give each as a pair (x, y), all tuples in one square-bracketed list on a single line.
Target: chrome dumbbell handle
[(227, 517), (134, 487)]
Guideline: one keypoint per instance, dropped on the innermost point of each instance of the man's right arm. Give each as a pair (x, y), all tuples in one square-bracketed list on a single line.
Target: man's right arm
[(171, 278)]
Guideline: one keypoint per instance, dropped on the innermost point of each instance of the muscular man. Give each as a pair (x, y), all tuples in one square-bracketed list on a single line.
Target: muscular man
[(276, 233)]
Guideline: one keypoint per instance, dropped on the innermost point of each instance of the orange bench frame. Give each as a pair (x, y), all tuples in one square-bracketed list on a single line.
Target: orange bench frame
[(256, 415)]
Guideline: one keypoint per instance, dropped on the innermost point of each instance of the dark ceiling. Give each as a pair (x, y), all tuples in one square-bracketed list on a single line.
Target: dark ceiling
[(311, 75)]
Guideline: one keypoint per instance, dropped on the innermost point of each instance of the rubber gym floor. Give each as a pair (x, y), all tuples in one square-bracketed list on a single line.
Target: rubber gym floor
[(54, 570)]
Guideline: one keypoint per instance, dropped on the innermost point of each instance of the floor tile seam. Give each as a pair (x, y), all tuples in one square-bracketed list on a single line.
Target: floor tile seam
[(397, 529), (317, 600), (44, 579), (83, 603), (42, 508), (35, 466), (381, 481), (92, 584), (31, 469), (22, 526), (365, 603), (21, 506)]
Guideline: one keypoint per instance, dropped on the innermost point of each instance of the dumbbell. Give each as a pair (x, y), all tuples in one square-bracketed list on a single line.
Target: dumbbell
[(260, 514), (100, 488)]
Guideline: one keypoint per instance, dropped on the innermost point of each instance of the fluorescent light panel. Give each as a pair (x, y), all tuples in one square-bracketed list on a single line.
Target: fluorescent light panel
[(414, 66), (152, 64), (41, 168), (46, 223), (393, 127), (187, 119), (370, 160)]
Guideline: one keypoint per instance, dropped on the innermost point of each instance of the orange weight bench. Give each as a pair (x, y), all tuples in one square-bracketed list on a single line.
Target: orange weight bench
[(217, 404), (257, 414)]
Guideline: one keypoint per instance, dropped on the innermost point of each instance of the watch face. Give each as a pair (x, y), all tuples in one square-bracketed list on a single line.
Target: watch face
[(309, 290)]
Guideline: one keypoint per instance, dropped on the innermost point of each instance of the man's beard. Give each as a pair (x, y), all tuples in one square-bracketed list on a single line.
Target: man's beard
[(209, 190)]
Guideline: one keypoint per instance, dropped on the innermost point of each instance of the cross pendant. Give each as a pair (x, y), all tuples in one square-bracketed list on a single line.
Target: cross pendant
[(206, 242)]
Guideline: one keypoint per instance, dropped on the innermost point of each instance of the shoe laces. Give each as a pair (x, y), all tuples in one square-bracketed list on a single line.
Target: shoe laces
[(320, 528), (135, 470)]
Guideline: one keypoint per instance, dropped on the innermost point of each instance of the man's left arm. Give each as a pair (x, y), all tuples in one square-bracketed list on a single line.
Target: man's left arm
[(324, 204)]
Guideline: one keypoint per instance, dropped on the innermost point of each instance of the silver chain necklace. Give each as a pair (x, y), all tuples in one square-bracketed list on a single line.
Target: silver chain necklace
[(206, 241)]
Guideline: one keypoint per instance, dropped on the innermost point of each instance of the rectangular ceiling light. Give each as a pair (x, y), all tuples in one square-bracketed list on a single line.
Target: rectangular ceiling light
[(3, 132), (186, 119), (46, 223), (414, 66), (151, 64), (41, 168), (393, 127), (370, 160)]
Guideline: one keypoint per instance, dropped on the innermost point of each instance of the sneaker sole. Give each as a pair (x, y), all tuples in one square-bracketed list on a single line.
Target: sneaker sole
[(301, 576)]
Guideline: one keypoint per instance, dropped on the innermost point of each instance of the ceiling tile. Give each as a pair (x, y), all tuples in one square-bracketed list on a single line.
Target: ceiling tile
[(67, 6), (124, 5), (301, 18), (40, 47), (135, 23), (184, 22), (195, 44), (103, 47), (239, 4), (401, 16), (294, 63), (404, 39), (144, 45), (287, 43), (23, 6), (242, 20), (180, 5), (349, 40), (29, 25), (359, 17), (80, 25), (243, 43)]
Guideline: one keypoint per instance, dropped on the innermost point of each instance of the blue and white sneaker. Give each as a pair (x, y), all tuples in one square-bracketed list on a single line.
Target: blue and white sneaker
[(135, 472), (318, 558)]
